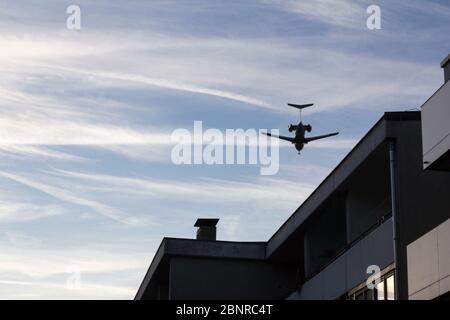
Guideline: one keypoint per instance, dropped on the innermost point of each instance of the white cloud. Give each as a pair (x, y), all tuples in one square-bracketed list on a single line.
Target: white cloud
[(165, 84), (64, 194), (41, 271), (244, 70), (340, 13), (230, 226), (346, 144), (11, 211), (197, 191), (25, 151), (51, 290)]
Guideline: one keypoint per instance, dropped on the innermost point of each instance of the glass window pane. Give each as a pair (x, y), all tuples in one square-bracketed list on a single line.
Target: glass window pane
[(370, 295), (390, 288), (380, 291)]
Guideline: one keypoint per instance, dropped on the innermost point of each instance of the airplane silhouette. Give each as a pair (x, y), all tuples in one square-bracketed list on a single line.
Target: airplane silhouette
[(299, 140)]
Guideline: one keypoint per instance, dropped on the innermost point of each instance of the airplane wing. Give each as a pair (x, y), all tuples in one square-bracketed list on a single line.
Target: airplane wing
[(320, 137), (280, 137)]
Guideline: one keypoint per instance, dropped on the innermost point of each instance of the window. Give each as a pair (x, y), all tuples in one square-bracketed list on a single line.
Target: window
[(390, 288), (384, 290), (370, 295), (380, 291)]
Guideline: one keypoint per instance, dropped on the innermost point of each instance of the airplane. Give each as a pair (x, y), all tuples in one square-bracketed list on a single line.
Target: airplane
[(300, 140)]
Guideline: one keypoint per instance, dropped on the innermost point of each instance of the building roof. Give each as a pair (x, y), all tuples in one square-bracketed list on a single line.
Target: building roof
[(171, 247), (445, 61)]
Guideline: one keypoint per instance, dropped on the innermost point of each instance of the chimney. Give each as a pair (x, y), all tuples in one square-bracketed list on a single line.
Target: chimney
[(445, 64), (206, 229)]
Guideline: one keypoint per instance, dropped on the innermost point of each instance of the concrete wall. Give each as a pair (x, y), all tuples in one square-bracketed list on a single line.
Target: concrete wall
[(429, 264), (436, 126), (212, 279), (349, 270), (422, 195)]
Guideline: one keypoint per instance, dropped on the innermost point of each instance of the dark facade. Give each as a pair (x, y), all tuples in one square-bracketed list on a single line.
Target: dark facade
[(369, 211)]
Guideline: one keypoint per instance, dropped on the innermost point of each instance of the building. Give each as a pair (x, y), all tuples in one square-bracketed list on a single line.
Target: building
[(435, 125), (429, 257), (385, 207)]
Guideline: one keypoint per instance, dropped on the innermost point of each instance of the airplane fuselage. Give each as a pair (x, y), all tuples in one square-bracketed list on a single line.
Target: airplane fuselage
[(300, 135), (300, 132)]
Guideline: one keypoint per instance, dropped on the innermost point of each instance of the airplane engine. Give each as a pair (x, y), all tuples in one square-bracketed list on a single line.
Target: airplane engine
[(308, 128), (292, 128)]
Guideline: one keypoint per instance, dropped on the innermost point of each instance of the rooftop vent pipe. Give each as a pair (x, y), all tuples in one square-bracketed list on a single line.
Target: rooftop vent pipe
[(445, 64), (206, 229)]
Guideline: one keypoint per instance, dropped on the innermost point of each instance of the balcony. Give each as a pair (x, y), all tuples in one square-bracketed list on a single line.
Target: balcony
[(436, 127)]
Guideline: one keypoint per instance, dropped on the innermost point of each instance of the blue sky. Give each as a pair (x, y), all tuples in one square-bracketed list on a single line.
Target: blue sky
[(86, 179)]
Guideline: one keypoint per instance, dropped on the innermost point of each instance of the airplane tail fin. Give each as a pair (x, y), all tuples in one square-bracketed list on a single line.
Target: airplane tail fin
[(300, 106)]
